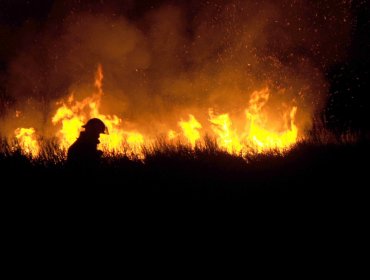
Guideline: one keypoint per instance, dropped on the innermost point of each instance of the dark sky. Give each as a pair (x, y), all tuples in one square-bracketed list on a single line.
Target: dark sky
[(16, 14)]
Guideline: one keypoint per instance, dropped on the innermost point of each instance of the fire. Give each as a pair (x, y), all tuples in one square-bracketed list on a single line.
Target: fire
[(171, 135), (257, 135), (135, 141), (73, 114), (71, 123), (26, 138), (226, 137), (190, 129), (265, 140)]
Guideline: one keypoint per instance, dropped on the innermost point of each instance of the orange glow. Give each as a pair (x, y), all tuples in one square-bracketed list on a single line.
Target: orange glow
[(172, 135)]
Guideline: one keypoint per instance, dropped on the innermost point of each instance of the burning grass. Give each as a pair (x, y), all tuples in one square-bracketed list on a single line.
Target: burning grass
[(258, 129), (50, 151)]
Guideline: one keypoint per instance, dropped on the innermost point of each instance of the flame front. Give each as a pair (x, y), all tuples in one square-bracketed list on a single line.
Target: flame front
[(27, 141), (257, 134)]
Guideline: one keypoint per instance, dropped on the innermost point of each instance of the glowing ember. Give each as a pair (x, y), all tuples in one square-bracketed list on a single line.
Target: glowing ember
[(26, 138)]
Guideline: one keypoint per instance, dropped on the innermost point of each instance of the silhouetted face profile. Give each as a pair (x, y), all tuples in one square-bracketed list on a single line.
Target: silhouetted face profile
[(84, 151)]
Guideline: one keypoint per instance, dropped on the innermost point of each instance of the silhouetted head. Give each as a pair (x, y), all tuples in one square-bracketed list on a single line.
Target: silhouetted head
[(95, 126)]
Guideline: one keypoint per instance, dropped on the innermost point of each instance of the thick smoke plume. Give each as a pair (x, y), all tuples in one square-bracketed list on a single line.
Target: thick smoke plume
[(165, 59)]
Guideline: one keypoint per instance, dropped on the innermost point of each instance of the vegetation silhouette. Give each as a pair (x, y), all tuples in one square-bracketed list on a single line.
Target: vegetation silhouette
[(313, 169)]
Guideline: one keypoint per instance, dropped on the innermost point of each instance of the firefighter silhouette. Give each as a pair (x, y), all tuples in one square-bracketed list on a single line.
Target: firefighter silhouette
[(84, 151)]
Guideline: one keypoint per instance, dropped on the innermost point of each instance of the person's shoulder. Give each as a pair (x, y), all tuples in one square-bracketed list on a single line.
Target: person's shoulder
[(74, 144)]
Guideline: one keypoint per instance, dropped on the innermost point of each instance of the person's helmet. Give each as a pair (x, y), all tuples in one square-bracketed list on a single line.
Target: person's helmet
[(96, 125)]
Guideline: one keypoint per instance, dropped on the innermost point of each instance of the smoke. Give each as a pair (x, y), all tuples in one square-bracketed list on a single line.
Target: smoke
[(166, 59)]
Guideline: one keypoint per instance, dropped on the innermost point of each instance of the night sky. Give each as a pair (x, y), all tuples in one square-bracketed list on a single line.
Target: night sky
[(347, 106)]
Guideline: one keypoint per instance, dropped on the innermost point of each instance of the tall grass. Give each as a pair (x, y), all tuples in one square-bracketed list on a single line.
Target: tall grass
[(207, 149), (205, 170)]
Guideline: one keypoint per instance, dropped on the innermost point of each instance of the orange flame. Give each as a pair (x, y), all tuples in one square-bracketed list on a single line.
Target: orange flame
[(259, 136), (226, 137), (190, 129), (27, 141)]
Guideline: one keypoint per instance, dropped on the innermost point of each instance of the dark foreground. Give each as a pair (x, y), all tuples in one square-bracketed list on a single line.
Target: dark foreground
[(314, 200), (336, 173)]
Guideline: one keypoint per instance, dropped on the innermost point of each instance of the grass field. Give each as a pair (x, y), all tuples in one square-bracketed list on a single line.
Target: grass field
[(312, 168)]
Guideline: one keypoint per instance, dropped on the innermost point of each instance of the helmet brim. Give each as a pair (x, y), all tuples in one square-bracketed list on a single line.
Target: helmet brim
[(106, 131)]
